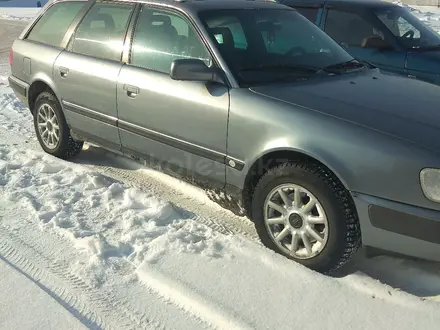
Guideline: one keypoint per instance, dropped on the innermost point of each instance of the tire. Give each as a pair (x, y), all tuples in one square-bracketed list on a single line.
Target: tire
[(65, 147), (340, 235)]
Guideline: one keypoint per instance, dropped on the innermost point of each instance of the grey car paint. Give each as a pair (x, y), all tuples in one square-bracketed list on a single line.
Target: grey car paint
[(87, 85), (366, 127), (165, 122)]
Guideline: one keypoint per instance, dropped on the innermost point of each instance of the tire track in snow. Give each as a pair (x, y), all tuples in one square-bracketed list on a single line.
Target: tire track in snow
[(26, 255), (206, 212), (189, 301), (170, 291), (167, 290), (42, 278)]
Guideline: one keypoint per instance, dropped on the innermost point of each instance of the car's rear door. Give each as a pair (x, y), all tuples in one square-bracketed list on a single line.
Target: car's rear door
[(181, 124), (87, 71)]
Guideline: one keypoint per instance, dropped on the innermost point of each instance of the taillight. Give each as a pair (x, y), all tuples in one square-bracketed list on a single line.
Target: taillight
[(11, 58)]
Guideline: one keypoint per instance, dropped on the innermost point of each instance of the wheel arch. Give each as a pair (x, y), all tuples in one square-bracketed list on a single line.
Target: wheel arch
[(40, 84), (274, 157)]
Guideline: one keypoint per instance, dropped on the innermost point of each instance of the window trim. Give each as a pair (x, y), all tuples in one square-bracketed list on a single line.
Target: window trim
[(74, 28), (43, 13), (129, 35), (192, 23), (75, 23)]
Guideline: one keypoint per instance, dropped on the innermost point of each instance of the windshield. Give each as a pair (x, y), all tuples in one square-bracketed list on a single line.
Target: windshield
[(269, 45), (408, 29)]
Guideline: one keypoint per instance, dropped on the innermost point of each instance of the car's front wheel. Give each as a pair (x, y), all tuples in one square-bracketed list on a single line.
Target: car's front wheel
[(52, 129), (302, 211)]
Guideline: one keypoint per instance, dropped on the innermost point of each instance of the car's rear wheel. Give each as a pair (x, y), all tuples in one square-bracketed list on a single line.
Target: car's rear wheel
[(302, 211), (52, 129)]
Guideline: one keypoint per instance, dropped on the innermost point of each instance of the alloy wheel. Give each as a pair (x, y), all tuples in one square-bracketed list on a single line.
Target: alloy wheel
[(296, 221)]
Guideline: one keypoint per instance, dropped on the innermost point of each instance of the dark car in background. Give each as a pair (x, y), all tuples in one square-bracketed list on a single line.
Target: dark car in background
[(382, 33)]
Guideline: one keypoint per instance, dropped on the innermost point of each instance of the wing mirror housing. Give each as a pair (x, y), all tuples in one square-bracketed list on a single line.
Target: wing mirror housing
[(195, 70)]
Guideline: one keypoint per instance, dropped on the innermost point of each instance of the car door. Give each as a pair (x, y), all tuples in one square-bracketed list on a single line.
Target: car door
[(86, 73), (181, 124), (421, 65), (354, 29)]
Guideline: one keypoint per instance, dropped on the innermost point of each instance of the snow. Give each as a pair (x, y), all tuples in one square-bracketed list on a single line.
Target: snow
[(100, 242), (225, 280), (21, 3), (430, 15), (20, 14), (18, 290)]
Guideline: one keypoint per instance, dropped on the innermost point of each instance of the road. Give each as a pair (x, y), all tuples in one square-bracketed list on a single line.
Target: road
[(9, 31)]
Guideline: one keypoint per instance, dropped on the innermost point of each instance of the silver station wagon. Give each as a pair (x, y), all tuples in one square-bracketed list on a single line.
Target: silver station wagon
[(323, 152)]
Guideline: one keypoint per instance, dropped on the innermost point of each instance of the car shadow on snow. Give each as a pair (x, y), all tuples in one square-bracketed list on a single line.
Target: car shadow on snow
[(418, 277)]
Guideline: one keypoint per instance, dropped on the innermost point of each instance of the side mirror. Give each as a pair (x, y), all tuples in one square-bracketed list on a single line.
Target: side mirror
[(195, 70)]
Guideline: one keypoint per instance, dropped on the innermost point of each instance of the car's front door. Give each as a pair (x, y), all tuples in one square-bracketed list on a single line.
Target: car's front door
[(359, 32), (87, 72), (182, 124), (421, 65)]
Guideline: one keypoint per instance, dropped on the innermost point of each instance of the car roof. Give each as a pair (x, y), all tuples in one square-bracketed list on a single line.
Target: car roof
[(199, 5), (342, 3)]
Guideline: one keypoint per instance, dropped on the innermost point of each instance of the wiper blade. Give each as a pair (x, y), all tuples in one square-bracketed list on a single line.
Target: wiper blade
[(283, 67), (338, 67)]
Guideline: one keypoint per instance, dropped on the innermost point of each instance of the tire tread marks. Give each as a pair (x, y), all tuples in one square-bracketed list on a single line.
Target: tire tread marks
[(202, 213), (108, 312)]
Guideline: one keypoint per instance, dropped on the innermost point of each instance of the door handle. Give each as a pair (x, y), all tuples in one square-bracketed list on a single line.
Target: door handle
[(63, 72), (132, 91)]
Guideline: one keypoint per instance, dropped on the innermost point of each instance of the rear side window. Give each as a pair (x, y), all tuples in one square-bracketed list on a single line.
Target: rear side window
[(51, 28), (309, 13), (102, 31)]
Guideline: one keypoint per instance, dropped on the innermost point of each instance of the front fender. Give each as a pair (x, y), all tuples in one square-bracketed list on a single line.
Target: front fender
[(365, 160)]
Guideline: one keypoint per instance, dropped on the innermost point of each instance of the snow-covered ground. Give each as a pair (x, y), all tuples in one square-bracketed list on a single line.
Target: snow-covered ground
[(22, 14), (21, 3), (72, 221), (430, 15), (103, 242)]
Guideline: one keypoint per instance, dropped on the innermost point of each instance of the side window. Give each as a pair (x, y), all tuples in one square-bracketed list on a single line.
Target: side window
[(405, 27), (309, 13), (399, 26), (162, 37), (351, 29), (102, 31), (52, 26)]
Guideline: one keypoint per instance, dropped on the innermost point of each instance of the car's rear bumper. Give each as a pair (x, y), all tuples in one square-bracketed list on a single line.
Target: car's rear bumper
[(397, 227), (20, 88)]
